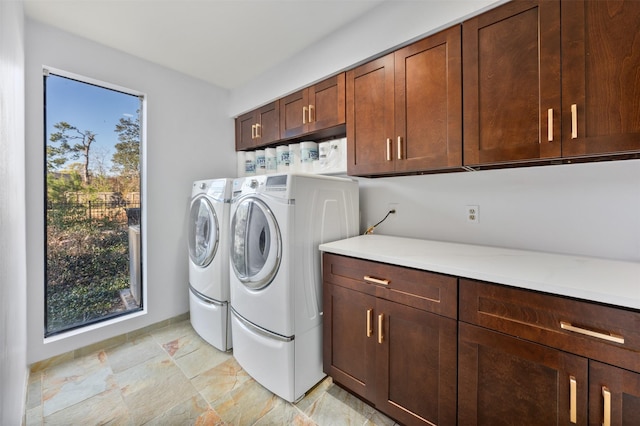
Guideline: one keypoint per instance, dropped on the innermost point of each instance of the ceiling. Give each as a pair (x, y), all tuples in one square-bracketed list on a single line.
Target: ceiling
[(224, 42)]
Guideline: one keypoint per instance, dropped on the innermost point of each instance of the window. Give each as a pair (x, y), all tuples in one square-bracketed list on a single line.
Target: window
[(93, 239)]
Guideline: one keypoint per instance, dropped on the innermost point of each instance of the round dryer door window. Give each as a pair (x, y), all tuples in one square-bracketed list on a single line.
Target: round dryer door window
[(256, 246), (203, 232)]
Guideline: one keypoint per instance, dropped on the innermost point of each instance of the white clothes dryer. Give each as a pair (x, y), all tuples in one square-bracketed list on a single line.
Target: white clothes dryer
[(277, 224), (208, 236)]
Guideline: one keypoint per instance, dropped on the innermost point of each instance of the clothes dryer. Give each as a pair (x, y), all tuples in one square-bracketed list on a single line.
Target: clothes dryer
[(208, 236), (277, 224)]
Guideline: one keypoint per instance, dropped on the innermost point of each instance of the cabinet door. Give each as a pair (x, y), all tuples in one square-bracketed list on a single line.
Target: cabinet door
[(416, 365), (349, 339), (614, 395), (428, 110), (370, 117), (327, 103), (268, 118), (600, 62), (503, 380), (315, 108), (294, 114), (511, 79), (245, 131)]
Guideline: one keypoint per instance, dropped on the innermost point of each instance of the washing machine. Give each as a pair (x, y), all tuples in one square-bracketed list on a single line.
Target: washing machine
[(208, 236), (277, 224)]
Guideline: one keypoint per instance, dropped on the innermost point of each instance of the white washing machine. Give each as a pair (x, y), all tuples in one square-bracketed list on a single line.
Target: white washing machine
[(208, 237), (277, 224)]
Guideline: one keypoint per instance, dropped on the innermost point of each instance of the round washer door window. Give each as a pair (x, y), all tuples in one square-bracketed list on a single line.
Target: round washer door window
[(256, 246), (203, 232)]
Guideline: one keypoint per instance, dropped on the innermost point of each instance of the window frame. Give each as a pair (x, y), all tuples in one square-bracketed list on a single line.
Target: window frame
[(142, 116)]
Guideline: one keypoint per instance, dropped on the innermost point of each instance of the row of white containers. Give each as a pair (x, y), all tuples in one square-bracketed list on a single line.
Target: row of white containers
[(328, 157)]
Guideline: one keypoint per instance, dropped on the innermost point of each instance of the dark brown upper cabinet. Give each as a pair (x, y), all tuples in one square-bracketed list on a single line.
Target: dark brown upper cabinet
[(314, 108), (511, 79), (258, 127), (551, 79), (600, 77), (404, 112)]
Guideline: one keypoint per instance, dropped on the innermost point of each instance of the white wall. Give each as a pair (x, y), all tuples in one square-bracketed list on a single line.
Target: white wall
[(589, 209), (13, 272), (393, 23), (189, 137)]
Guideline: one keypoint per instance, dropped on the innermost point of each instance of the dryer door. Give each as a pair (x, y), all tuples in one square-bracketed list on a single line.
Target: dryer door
[(256, 244), (203, 232)]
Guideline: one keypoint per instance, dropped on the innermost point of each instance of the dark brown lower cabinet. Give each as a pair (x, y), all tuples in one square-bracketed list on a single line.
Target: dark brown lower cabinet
[(504, 380), (349, 346), (432, 349), (614, 395), (416, 365), (400, 358), (530, 358)]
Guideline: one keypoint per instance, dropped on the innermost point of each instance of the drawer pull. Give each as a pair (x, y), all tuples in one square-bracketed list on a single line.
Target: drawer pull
[(606, 396), (604, 336), (376, 280), (573, 410), (369, 321), (380, 324), (574, 121)]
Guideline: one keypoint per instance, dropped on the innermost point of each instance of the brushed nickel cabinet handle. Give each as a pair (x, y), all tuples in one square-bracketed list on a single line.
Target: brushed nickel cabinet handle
[(388, 149), (369, 321), (311, 114), (399, 147), (574, 121), (610, 337), (304, 115), (573, 410), (258, 132), (253, 131), (380, 324), (376, 280), (606, 396), (550, 124)]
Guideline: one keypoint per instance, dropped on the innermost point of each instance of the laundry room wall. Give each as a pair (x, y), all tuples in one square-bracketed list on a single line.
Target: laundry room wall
[(587, 209), (13, 262), (189, 136)]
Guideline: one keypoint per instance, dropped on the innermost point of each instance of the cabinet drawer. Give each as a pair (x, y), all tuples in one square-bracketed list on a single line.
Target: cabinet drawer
[(603, 333), (421, 289)]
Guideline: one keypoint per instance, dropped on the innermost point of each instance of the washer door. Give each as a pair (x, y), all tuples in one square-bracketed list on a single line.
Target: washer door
[(256, 245), (203, 232)]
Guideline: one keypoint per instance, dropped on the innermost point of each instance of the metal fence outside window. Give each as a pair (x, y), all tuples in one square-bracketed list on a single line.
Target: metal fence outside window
[(115, 210)]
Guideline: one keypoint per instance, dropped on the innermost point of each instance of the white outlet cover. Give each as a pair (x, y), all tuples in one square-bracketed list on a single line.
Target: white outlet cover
[(472, 214)]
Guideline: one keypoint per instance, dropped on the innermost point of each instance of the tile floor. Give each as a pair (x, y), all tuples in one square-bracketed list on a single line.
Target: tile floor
[(170, 376)]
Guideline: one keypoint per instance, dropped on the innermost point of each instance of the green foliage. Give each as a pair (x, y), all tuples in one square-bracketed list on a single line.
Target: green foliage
[(87, 266), (126, 159), (58, 184)]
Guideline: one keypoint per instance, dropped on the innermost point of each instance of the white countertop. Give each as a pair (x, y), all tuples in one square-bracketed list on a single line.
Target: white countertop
[(599, 280)]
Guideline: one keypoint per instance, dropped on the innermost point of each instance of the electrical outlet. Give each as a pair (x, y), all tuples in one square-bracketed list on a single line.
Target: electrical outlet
[(472, 213), (393, 206)]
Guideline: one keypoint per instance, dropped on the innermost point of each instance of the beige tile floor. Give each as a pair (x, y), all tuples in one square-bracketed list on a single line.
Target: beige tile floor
[(170, 376)]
